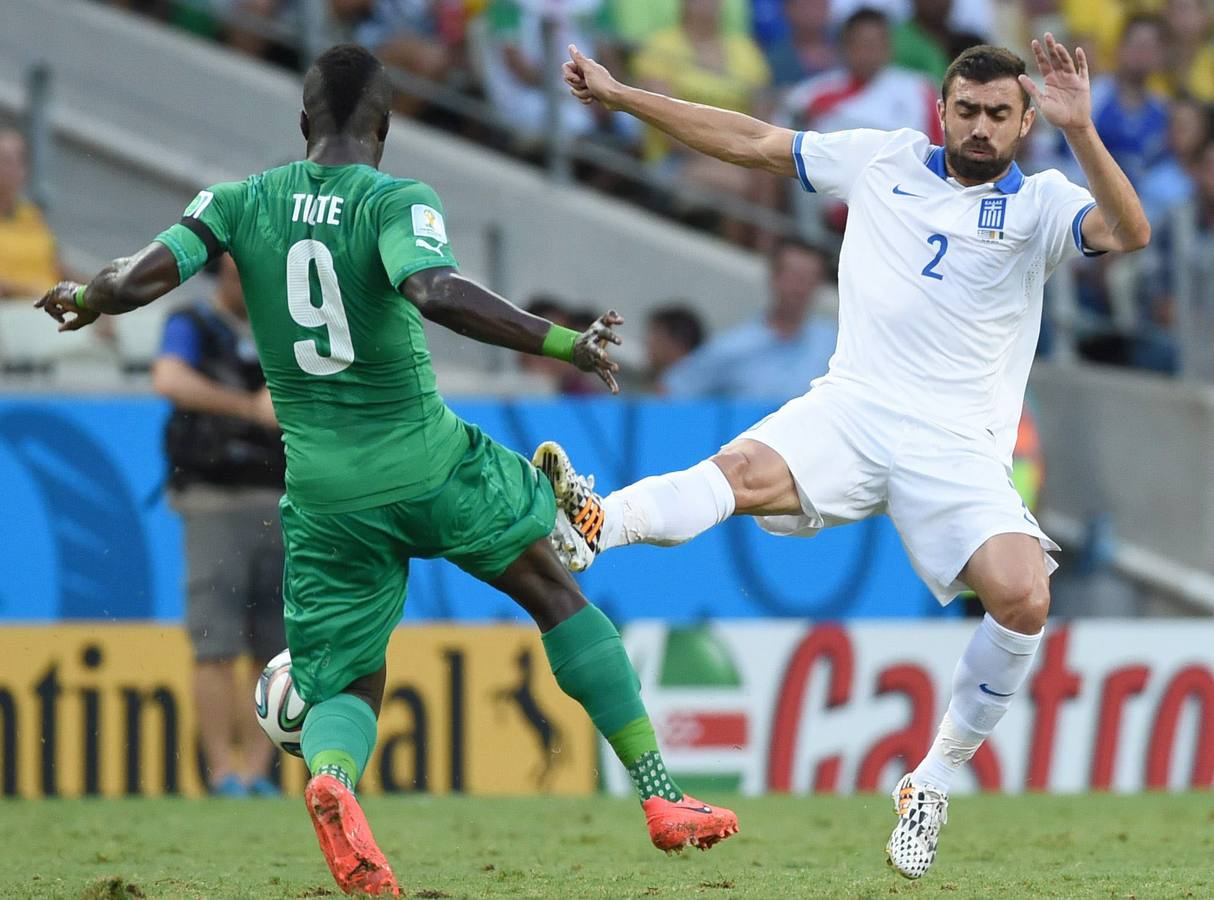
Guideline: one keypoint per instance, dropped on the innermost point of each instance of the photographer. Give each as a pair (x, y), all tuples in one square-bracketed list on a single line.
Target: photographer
[(226, 476)]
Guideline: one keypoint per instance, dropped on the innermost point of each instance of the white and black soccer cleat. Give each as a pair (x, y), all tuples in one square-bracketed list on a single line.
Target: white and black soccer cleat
[(571, 548), (576, 540), (921, 811)]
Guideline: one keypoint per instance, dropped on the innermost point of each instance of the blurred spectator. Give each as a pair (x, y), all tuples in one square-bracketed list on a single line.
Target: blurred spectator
[(28, 261), (773, 356), (1131, 119), (422, 37), (806, 47), (226, 476), (769, 22), (560, 377), (1170, 182), (674, 331), (518, 68), (249, 24), (925, 42), (1177, 318), (976, 17), (1189, 57), (697, 61), (867, 92), (633, 22)]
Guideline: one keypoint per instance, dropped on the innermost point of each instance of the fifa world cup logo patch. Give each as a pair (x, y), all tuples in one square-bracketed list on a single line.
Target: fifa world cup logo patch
[(990, 218)]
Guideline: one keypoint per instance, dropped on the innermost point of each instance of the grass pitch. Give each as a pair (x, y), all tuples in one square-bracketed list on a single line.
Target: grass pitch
[(1156, 845)]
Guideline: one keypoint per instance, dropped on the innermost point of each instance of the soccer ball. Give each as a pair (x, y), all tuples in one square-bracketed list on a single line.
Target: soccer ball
[(280, 710)]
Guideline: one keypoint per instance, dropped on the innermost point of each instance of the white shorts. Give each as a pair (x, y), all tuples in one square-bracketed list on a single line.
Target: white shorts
[(851, 458)]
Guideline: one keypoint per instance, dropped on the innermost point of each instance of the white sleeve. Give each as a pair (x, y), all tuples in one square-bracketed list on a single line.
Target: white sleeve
[(830, 163), (1063, 207)]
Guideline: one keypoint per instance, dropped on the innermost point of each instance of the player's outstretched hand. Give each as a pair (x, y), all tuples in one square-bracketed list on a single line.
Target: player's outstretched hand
[(590, 349), (1066, 101), (60, 302), (588, 80)]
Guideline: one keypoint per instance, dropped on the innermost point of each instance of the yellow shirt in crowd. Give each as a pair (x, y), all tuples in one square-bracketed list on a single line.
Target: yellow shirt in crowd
[(27, 251), (670, 58), (1098, 24)]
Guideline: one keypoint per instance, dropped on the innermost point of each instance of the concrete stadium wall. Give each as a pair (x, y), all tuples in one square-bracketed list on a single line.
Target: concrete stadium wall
[(1136, 448)]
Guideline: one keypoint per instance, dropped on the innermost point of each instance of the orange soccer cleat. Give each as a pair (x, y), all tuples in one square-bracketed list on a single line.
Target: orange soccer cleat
[(673, 826), (357, 863)]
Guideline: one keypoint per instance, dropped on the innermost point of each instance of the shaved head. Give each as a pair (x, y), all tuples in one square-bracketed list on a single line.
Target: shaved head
[(346, 92)]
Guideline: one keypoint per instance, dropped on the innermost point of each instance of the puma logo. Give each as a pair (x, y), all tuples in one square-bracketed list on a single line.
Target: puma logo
[(426, 245)]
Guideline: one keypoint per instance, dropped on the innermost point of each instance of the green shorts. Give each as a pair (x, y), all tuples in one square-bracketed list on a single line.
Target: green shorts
[(345, 573)]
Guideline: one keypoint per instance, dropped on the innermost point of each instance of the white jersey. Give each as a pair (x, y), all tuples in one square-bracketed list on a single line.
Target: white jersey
[(940, 285)]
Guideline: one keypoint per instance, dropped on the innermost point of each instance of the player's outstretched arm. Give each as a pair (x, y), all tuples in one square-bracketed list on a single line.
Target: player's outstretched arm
[(1118, 222), (732, 136), (121, 286), (445, 297)]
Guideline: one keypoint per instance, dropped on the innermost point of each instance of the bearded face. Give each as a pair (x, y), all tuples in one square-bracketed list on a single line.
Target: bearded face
[(983, 127)]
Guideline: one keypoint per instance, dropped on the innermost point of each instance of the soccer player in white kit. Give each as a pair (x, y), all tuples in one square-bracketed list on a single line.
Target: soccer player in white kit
[(944, 256)]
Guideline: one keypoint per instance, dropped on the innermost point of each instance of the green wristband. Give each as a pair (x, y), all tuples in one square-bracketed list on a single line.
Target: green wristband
[(559, 341), (79, 295)]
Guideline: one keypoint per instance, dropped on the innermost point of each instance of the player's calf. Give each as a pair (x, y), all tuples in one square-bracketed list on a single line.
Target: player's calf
[(665, 510)]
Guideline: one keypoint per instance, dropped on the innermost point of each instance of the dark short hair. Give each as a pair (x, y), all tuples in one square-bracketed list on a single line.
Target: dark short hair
[(984, 64), (681, 322), (791, 242), (865, 15), (347, 85)]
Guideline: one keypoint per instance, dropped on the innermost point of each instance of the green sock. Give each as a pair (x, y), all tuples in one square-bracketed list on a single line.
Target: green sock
[(637, 747), (338, 737), (591, 666)]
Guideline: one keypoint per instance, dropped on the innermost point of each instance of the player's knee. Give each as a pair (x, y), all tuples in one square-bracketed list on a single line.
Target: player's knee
[(1020, 603), (369, 689), (739, 470)]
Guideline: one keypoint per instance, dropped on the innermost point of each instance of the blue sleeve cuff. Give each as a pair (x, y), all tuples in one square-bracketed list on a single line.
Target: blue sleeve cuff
[(181, 339), (1077, 231), (799, 162)]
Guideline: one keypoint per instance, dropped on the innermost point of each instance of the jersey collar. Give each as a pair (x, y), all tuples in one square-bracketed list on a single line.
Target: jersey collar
[(1008, 184)]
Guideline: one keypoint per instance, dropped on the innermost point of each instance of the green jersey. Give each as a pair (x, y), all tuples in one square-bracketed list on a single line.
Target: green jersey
[(321, 252)]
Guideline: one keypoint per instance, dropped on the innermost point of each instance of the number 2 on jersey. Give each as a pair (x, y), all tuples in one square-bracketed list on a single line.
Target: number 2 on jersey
[(930, 269), (331, 314)]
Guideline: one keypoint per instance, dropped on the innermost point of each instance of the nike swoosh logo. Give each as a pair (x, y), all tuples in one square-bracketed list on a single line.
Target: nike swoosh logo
[(901, 193), (985, 688), (426, 245), (706, 810)]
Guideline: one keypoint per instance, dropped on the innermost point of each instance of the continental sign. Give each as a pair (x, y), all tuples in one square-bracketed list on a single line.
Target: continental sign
[(790, 706), (99, 709)]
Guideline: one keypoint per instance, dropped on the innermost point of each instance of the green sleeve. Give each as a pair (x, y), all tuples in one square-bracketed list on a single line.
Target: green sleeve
[(412, 231), (206, 227)]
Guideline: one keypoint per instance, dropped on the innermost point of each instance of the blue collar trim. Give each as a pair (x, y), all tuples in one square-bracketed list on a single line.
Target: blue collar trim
[(1008, 184)]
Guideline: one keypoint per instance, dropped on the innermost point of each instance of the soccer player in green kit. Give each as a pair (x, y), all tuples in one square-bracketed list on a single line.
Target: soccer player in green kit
[(339, 263)]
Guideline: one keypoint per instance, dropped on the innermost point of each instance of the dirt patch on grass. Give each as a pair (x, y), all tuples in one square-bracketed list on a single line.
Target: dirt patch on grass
[(112, 888)]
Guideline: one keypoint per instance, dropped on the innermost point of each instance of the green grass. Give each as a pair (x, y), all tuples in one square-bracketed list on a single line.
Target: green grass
[(1155, 845)]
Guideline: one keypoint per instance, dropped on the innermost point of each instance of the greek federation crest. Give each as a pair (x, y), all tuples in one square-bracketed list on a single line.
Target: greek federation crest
[(990, 218)]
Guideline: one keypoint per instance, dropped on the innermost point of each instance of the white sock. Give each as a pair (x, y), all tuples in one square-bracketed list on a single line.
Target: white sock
[(667, 509), (989, 673)]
